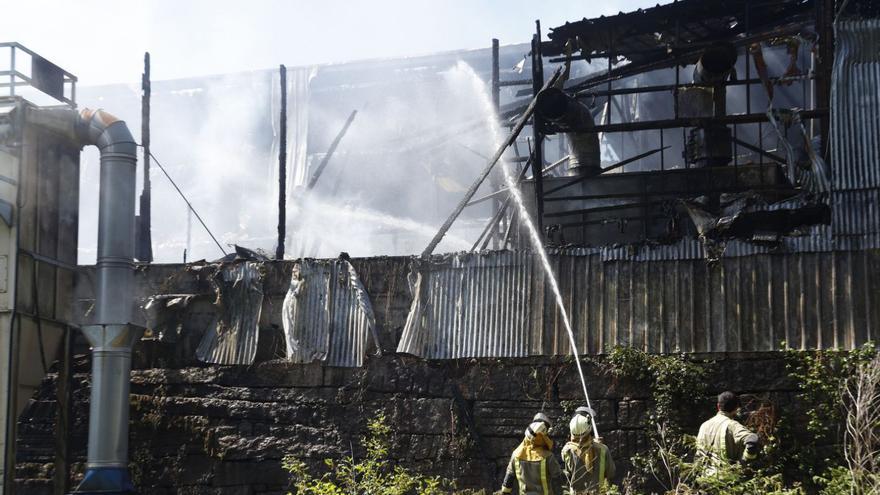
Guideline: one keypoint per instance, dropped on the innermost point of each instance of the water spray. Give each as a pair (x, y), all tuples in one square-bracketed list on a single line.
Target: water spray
[(515, 192)]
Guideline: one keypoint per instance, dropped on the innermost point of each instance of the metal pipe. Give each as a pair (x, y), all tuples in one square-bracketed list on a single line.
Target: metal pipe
[(111, 336), (554, 105), (282, 166)]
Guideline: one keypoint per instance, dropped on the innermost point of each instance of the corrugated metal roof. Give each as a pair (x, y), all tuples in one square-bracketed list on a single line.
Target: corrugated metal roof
[(327, 314), (855, 104), (496, 304), (233, 337)]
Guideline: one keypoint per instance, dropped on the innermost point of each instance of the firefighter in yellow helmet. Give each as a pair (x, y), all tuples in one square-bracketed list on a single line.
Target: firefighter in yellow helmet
[(532, 466), (587, 462), (722, 439)]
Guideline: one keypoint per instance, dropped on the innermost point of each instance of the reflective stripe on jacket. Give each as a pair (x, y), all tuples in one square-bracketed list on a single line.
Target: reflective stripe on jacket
[(539, 477), (581, 477)]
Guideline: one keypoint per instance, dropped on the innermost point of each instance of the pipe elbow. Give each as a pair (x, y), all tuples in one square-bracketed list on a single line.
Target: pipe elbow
[(88, 127), (576, 120), (715, 64), (107, 132)]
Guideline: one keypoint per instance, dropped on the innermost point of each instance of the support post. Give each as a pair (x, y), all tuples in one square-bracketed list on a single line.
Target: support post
[(282, 167), (537, 124), (145, 238), (496, 106), (825, 27), (64, 396)]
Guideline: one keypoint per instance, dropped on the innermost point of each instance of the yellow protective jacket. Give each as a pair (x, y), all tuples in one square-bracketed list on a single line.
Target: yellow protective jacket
[(533, 469), (587, 465), (722, 439)]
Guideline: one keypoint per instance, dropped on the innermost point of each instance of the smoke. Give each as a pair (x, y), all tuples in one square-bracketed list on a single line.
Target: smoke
[(411, 152)]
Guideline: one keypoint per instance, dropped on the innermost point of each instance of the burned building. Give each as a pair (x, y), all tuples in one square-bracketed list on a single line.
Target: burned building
[(704, 179)]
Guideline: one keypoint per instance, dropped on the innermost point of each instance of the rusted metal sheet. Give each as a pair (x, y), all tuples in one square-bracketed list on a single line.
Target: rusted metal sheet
[(855, 104), (327, 314), (233, 337), (473, 305), (496, 304)]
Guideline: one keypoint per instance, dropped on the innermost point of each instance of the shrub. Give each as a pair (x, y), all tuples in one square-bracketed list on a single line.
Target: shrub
[(371, 475)]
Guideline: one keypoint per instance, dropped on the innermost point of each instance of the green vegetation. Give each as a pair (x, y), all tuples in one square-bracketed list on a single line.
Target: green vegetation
[(804, 451), (371, 475), (826, 444)]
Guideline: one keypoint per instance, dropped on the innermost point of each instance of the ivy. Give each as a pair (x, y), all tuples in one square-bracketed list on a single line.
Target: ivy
[(810, 437), (677, 384)]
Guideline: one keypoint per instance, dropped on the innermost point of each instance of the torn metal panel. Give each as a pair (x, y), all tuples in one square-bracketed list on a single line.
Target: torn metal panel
[(327, 314), (806, 168), (472, 306), (855, 104), (233, 337), (162, 316)]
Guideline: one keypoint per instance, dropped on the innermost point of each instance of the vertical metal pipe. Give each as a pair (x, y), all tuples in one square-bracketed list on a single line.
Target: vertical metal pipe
[(112, 337), (538, 157), (282, 167), (496, 105), (145, 242), (825, 28), (12, 71)]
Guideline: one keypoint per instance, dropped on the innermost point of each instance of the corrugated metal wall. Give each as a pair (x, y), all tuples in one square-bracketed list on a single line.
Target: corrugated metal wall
[(327, 314), (472, 306), (855, 104), (497, 305), (233, 337)]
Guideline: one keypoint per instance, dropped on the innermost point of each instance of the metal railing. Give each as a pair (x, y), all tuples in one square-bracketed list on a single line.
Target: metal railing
[(43, 75)]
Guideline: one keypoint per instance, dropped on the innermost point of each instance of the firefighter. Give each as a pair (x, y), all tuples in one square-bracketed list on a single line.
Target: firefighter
[(532, 466), (586, 461), (722, 439)]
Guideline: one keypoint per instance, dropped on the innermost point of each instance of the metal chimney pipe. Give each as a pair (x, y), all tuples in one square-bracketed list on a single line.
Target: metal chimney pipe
[(713, 68), (554, 105), (111, 336)]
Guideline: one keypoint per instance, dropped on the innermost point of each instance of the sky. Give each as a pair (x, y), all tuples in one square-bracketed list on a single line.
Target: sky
[(103, 41)]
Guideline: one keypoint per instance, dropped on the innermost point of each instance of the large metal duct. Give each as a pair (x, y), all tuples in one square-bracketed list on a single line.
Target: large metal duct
[(710, 145), (576, 120), (111, 336)]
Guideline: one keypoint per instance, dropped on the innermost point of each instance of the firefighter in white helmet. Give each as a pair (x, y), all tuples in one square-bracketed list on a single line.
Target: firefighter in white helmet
[(586, 461), (532, 466)]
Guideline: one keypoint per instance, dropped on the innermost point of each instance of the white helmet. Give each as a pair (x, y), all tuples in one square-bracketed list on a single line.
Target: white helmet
[(536, 428), (542, 418), (581, 424)]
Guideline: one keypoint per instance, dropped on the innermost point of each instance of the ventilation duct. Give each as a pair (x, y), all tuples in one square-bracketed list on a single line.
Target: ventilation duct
[(112, 336), (710, 145), (576, 120)]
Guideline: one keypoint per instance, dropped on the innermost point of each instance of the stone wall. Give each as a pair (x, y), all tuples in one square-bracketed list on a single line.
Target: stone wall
[(213, 429)]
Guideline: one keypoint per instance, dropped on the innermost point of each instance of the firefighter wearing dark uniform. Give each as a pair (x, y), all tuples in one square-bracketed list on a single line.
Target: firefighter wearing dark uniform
[(586, 461), (532, 466)]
